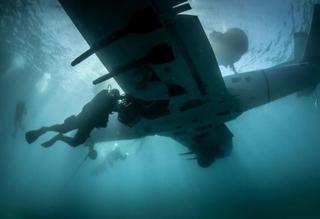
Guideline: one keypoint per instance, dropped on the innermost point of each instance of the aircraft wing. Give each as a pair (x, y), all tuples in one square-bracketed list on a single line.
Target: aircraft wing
[(187, 73)]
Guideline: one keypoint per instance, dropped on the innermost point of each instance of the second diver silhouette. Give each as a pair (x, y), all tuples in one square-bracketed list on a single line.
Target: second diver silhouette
[(20, 112), (110, 158), (94, 114)]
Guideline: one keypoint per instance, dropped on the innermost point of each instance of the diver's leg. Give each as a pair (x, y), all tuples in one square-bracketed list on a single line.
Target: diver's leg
[(68, 125), (14, 129), (19, 123), (52, 140), (32, 136), (60, 137), (16, 125), (81, 136)]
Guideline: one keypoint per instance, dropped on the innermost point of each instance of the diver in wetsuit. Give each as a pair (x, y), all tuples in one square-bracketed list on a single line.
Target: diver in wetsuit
[(110, 159), (94, 114), (115, 155), (20, 112)]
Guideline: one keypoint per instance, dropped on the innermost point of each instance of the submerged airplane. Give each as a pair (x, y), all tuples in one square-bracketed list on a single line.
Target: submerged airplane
[(163, 61)]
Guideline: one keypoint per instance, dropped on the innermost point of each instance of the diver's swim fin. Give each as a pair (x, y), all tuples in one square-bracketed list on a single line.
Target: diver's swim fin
[(186, 153), (193, 158), (32, 136), (48, 143), (51, 141)]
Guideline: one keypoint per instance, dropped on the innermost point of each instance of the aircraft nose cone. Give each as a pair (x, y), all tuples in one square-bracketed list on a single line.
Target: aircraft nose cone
[(238, 39), (229, 46)]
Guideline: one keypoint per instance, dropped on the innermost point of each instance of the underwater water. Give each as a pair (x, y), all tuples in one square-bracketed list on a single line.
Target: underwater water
[(273, 171)]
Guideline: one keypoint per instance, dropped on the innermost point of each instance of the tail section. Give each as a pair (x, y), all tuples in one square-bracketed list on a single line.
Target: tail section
[(312, 52)]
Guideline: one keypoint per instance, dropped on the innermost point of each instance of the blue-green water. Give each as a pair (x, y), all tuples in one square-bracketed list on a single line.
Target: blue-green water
[(273, 172)]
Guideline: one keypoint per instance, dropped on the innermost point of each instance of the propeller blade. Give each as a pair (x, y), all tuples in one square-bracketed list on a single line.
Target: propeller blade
[(193, 158), (186, 153)]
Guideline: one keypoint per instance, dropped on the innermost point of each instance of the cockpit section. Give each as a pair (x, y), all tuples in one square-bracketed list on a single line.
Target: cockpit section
[(131, 110)]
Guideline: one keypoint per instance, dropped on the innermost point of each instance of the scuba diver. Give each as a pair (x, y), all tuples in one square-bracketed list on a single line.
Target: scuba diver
[(94, 114), (20, 112), (109, 160)]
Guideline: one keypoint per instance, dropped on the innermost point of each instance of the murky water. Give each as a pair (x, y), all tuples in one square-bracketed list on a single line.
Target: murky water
[(273, 172)]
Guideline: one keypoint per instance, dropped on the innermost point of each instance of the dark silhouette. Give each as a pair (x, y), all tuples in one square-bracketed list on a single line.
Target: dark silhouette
[(20, 112), (110, 159), (92, 153), (94, 114), (229, 46)]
